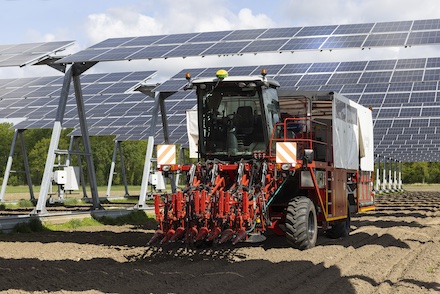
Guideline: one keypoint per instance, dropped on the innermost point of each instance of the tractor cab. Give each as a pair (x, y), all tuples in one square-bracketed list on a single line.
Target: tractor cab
[(236, 115)]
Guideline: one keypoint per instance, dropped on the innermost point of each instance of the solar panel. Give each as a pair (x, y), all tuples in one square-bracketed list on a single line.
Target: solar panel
[(330, 37), (100, 107)]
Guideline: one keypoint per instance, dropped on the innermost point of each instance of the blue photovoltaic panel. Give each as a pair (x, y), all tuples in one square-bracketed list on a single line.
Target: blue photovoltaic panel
[(226, 48), (295, 68), (344, 78), (395, 26), (171, 85), (210, 36), (344, 42), (188, 50), (432, 75), (411, 63), (422, 25), (382, 40), (111, 43), (176, 39), (381, 65), (279, 33), (419, 38), (316, 31), (303, 44), (244, 34), (121, 53), (323, 67), (354, 29), (319, 79), (152, 52), (352, 66), (264, 46), (407, 76), (400, 87), (375, 77), (29, 53), (241, 70), (299, 38)]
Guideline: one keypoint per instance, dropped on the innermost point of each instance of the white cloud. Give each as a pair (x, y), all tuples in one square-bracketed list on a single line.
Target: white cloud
[(120, 22)]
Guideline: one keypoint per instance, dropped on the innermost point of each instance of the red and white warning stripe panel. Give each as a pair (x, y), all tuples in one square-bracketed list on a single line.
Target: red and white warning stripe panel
[(166, 154), (286, 152)]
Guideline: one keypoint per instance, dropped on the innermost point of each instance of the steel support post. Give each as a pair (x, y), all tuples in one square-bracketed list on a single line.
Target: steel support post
[(395, 175), (378, 174), (400, 177), (112, 170), (123, 173), (8, 167), (86, 140), (146, 173), (81, 173), (27, 170), (46, 182), (69, 155), (384, 174), (390, 181)]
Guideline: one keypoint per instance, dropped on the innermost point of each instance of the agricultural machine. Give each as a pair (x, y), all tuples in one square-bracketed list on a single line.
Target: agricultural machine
[(287, 161)]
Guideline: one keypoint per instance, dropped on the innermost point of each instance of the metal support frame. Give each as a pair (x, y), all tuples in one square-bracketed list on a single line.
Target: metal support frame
[(390, 181), (81, 173), (377, 188), (8, 167), (146, 173), (17, 134), (395, 175), (384, 174), (55, 139), (399, 182), (86, 138), (72, 74), (112, 169)]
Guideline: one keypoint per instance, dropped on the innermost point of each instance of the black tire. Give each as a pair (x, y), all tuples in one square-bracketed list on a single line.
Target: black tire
[(301, 223), (340, 229)]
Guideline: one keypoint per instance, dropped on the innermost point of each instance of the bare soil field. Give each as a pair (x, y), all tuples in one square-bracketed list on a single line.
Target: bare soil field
[(395, 249)]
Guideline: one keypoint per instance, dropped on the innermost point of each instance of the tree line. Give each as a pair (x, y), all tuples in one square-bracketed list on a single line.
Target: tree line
[(37, 144)]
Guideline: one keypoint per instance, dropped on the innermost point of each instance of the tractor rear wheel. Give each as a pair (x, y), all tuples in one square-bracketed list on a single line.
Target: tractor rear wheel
[(301, 223)]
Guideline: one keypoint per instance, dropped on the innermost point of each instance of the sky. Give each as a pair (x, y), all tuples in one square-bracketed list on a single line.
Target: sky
[(88, 22)]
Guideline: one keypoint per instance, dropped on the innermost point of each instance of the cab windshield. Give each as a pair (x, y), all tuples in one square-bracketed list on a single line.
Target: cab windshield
[(232, 121)]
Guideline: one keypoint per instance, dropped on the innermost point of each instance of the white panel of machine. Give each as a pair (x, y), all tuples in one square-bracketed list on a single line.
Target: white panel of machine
[(193, 132), (366, 138), (72, 178), (345, 133)]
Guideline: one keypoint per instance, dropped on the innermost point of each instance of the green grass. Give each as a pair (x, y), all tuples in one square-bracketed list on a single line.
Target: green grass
[(34, 225), (136, 218), (73, 224)]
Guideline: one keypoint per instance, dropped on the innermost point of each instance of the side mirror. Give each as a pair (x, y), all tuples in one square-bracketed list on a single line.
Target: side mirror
[(308, 155)]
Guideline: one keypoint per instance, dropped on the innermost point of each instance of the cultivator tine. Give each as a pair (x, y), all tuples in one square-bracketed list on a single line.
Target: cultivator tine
[(241, 235), (180, 232), (226, 236), (213, 234), (203, 233), (168, 236), (157, 235)]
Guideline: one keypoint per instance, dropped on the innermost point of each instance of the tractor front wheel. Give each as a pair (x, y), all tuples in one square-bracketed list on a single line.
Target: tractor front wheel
[(301, 223)]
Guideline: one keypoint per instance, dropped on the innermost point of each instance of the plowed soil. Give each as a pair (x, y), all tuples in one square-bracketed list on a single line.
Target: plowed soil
[(395, 249)]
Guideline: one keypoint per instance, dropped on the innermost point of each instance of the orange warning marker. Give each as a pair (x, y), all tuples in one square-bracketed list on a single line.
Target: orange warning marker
[(166, 154), (286, 152)]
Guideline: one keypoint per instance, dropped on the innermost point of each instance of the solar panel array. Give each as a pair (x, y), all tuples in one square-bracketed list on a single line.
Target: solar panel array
[(23, 54), (109, 100), (367, 35), (403, 94)]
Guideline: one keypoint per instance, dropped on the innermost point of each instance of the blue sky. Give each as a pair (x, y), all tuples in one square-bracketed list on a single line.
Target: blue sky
[(90, 21)]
